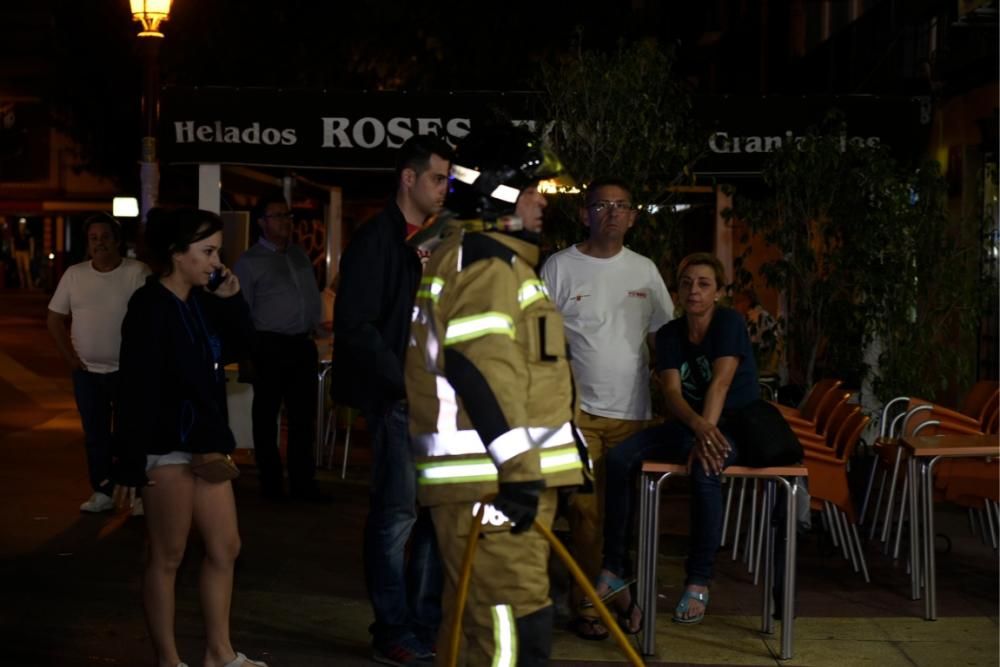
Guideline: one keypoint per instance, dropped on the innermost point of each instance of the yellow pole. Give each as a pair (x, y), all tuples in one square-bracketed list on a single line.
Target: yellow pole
[(463, 584)]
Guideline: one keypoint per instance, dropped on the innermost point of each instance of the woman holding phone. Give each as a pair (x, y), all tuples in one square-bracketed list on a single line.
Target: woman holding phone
[(176, 338)]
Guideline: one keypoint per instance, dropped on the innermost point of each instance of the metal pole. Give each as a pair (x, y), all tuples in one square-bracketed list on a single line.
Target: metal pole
[(767, 540), (788, 607), (149, 167), (915, 545), (930, 575)]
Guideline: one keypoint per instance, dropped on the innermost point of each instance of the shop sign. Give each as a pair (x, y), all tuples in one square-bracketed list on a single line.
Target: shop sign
[(361, 131)]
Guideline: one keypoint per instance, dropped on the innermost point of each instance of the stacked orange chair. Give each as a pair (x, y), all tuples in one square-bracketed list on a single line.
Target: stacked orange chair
[(819, 403), (827, 441), (829, 489), (976, 416), (810, 420), (974, 485)]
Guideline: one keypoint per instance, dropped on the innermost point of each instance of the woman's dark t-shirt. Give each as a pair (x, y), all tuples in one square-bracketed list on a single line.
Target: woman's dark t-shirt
[(726, 337)]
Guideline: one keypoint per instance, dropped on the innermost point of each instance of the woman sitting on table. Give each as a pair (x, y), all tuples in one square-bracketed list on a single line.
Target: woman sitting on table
[(176, 338), (706, 367)]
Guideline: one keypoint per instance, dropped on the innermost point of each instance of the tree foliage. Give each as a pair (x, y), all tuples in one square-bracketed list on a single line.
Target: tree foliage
[(868, 256), (623, 114)]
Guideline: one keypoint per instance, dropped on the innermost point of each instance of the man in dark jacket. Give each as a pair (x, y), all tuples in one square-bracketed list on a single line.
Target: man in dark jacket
[(379, 276)]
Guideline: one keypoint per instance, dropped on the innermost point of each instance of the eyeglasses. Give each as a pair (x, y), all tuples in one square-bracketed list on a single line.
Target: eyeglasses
[(280, 216), (611, 206)]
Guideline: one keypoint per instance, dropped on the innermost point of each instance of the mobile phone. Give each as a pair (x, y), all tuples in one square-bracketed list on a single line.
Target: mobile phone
[(214, 280)]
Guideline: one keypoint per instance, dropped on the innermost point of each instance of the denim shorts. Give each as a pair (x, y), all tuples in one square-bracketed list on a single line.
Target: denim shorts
[(168, 459)]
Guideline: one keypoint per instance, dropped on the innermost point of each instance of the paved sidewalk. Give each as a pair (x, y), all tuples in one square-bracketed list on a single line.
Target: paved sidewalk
[(69, 583)]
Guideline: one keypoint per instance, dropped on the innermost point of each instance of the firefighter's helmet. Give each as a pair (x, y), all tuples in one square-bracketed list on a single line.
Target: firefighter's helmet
[(491, 167)]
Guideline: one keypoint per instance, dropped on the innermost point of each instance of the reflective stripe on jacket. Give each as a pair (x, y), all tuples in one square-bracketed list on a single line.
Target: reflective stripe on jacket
[(487, 378)]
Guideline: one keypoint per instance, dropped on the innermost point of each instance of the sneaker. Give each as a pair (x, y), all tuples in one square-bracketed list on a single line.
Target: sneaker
[(98, 502), (405, 652), (137, 508), (428, 648), (426, 640)]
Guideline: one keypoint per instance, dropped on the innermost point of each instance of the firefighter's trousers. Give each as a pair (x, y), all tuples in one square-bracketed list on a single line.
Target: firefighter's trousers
[(508, 614)]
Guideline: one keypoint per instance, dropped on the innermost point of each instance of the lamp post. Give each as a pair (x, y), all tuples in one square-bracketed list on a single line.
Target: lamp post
[(150, 13)]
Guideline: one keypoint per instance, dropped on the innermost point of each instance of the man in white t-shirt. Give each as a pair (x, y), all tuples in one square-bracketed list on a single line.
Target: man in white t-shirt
[(612, 300), (95, 295)]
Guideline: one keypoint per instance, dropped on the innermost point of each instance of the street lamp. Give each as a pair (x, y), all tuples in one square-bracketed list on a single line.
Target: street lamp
[(150, 13)]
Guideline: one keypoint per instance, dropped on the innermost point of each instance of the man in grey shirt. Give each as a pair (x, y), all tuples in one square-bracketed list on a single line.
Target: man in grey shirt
[(277, 280)]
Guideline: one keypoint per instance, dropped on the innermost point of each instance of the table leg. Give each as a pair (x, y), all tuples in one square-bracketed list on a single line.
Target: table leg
[(930, 577), (915, 544), (791, 555), (651, 489), (642, 570), (766, 543), (647, 563)]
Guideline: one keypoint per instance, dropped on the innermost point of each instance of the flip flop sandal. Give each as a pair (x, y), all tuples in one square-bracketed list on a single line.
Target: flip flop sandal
[(682, 607), (585, 627), (615, 586), (240, 660), (625, 619)]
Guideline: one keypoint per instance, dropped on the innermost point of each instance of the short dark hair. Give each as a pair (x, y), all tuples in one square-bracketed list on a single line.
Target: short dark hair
[(103, 218), (416, 152), (172, 231), (604, 182), (260, 208)]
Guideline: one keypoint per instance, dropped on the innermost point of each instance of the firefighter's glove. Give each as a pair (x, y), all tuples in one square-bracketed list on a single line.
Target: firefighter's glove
[(519, 501)]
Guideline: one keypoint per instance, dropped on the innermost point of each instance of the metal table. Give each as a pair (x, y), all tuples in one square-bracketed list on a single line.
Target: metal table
[(924, 453)]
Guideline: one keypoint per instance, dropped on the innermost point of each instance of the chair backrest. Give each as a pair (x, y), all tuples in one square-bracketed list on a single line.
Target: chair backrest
[(827, 408), (892, 413), (838, 419), (927, 418), (850, 434), (993, 423), (812, 401), (989, 412), (980, 399), (918, 411)]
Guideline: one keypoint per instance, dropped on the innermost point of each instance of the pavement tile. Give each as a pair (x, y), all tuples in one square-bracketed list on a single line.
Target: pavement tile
[(953, 654), (840, 652), (953, 628), (70, 584)]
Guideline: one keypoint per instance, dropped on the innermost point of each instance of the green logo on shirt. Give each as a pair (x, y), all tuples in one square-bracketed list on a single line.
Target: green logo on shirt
[(692, 382)]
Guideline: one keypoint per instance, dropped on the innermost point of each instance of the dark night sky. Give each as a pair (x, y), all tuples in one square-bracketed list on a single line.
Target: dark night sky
[(388, 44), (82, 57)]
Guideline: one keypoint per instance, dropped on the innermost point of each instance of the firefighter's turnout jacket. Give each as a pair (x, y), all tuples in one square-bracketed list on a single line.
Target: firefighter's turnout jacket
[(489, 384)]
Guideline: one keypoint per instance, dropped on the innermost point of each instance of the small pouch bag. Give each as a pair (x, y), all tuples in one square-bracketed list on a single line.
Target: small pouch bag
[(214, 467)]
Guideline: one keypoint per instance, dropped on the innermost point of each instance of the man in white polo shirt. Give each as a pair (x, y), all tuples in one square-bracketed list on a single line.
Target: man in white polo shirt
[(95, 295), (612, 300)]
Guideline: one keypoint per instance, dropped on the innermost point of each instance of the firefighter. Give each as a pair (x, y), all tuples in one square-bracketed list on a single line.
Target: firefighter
[(491, 397)]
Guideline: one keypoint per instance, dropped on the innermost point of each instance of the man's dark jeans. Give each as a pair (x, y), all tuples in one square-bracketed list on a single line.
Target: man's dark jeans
[(673, 442), (405, 595), (96, 395)]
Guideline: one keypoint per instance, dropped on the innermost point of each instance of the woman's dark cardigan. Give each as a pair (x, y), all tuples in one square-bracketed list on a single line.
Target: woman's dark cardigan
[(171, 379)]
